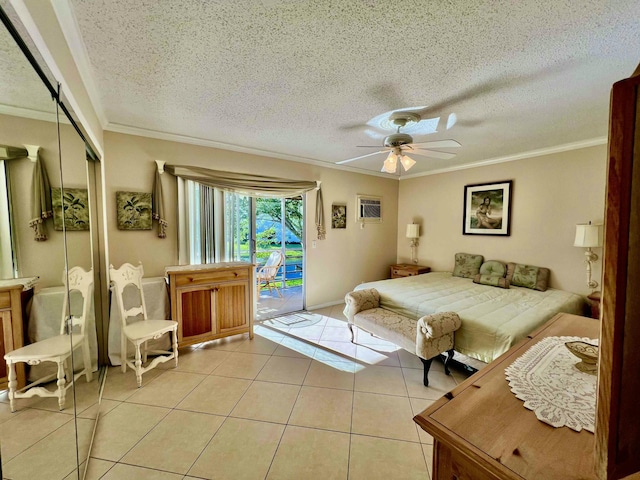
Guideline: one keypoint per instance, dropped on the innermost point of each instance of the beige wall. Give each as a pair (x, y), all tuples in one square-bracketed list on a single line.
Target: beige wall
[(550, 195), (45, 259), (346, 258)]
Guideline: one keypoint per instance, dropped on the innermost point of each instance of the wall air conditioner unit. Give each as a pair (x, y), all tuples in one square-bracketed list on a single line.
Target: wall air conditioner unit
[(368, 209)]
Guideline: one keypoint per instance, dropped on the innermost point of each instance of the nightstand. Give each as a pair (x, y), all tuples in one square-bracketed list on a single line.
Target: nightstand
[(593, 301), (408, 270)]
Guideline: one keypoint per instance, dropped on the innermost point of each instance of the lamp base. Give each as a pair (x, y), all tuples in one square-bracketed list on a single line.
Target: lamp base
[(590, 257), (414, 246)]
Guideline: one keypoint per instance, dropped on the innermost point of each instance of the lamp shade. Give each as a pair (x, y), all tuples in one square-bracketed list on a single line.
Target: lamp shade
[(588, 235), (413, 230), (407, 162)]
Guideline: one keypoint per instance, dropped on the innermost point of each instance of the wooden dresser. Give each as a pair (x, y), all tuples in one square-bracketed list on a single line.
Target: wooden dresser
[(482, 431), (211, 301), (14, 296)]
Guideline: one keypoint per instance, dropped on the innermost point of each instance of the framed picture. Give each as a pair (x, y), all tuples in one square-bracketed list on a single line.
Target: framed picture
[(487, 209), (338, 215), (75, 207), (368, 209), (134, 210)]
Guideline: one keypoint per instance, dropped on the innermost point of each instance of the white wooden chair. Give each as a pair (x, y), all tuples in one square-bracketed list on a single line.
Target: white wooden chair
[(57, 349), (267, 273), (138, 332)]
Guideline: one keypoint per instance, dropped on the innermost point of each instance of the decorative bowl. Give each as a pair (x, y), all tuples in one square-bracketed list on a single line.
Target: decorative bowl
[(587, 353)]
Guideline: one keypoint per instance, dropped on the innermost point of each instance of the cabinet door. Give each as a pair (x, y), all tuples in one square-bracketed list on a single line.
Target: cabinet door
[(195, 312), (231, 306), (6, 343)]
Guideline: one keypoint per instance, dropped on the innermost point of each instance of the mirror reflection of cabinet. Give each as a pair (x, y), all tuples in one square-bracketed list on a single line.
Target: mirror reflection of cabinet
[(39, 441)]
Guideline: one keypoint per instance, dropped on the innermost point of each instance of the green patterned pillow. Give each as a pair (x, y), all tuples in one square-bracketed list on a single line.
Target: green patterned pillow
[(528, 276), (467, 265), (493, 267), (492, 280)]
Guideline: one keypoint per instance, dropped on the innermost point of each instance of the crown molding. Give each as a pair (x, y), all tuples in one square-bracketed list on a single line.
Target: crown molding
[(172, 137), (142, 132), (32, 114), (512, 158)]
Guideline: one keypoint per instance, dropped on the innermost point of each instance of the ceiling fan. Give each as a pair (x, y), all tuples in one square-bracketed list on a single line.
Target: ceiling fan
[(399, 144)]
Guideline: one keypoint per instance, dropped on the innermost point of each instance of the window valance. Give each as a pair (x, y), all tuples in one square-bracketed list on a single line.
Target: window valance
[(244, 183)]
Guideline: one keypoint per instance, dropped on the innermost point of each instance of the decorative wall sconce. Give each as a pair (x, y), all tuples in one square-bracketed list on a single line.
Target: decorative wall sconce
[(589, 236), (413, 232)]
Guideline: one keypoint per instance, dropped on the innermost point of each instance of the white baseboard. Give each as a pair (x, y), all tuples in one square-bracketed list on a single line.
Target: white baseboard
[(323, 305)]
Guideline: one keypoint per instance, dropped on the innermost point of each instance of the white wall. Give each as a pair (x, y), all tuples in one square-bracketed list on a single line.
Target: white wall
[(550, 195), (337, 264)]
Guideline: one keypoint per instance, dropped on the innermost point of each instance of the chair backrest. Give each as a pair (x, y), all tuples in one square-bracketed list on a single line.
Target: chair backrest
[(81, 281), (273, 264), (122, 277)]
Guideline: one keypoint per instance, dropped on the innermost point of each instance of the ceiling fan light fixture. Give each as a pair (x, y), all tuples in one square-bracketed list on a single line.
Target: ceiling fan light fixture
[(407, 162), (391, 163)]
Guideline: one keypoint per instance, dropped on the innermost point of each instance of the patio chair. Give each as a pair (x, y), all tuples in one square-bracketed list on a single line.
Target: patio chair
[(267, 273)]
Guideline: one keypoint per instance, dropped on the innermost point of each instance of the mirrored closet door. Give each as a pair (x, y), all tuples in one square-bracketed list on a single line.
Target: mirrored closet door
[(42, 265)]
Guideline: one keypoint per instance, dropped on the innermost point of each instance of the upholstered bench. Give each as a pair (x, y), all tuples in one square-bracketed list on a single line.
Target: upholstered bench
[(427, 337)]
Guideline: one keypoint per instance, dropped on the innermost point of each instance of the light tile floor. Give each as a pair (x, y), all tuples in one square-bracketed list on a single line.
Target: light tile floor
[(270, 304), (297, 401)]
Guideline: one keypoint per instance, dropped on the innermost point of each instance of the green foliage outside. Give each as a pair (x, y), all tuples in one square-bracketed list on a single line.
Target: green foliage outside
[(269, 209)]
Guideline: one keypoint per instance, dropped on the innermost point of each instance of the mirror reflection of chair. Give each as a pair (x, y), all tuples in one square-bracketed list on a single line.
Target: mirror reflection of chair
[(139, 332), (267, 273), (57, 349)]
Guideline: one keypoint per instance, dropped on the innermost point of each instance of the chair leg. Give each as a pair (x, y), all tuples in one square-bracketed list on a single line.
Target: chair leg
[(123, 353), (174, 334), (138, 364), (447, 361), (277, 291), (86, 358), (13, 383), (427, 366), (353, 337), (61, 384)]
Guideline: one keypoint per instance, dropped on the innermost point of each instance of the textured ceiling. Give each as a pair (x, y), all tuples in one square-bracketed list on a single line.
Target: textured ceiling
[(21, 90), (303, 78)]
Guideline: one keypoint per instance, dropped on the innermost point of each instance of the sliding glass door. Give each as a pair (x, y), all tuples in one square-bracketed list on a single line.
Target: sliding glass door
[(269, 231)]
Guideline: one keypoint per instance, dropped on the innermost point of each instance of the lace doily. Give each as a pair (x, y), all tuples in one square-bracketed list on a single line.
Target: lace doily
[(550, 385)]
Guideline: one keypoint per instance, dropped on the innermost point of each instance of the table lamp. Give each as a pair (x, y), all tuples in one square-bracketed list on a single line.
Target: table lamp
[(589, 236), (413, 232)]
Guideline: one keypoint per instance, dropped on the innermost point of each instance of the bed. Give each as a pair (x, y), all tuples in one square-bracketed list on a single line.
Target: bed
[(493, 319)]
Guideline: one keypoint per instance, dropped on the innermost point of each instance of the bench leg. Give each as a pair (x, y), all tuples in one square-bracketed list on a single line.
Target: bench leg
[(427, 365), (447, 361)]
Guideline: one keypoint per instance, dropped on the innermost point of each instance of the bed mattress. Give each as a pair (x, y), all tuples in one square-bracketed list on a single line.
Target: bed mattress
[(493, 319)]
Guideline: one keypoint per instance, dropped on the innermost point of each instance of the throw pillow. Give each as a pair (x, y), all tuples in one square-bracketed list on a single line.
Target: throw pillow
[(528, 276), (493, 267), (467, 265), (491, 280)]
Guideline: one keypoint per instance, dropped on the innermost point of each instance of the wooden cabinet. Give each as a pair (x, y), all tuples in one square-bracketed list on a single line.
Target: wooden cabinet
[(14, 297), (482, 431), (618, 422), (407, 270), (211, 301)]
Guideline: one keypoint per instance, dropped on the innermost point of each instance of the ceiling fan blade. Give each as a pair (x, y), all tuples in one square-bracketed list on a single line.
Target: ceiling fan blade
[(433, 154), (437, 144), (342, 162), (368, 146)]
